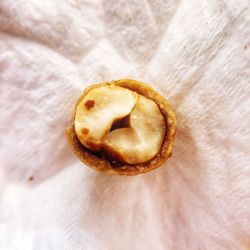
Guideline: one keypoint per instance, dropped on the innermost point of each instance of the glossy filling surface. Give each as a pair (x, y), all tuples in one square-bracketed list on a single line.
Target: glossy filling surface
[(125, 125)]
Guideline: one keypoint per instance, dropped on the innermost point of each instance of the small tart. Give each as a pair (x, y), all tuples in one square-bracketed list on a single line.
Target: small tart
[(122, 127)]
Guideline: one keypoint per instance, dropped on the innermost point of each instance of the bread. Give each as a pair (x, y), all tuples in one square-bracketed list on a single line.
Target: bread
[(102, 161)]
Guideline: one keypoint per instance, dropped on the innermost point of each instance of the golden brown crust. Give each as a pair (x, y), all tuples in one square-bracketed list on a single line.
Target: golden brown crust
[(100, 162)]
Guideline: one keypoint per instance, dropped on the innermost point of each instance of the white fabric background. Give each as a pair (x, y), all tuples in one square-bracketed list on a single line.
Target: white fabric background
[(195, 53)]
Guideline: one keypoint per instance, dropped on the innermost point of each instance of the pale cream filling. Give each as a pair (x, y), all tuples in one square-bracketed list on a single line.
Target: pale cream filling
[(145, 129)]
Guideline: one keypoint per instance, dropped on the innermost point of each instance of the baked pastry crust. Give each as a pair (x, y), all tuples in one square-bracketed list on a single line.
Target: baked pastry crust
[(102, 162)]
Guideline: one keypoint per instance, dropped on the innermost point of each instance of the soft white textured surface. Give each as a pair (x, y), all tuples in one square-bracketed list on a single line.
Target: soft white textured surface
[(195, 53)]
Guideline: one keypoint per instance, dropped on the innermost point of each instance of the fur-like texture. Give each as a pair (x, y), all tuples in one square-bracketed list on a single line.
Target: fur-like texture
[(195, 53)]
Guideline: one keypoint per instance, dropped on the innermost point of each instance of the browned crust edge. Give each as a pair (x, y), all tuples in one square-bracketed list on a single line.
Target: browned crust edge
[(99, 163)]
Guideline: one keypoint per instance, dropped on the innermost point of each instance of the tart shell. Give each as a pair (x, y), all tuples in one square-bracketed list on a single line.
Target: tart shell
[(102, 162)]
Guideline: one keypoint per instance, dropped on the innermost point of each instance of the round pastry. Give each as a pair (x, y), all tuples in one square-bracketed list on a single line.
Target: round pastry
[(122, 127)]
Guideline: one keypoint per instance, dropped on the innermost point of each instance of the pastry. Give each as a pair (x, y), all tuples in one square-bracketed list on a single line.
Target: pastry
[(122, 127)]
